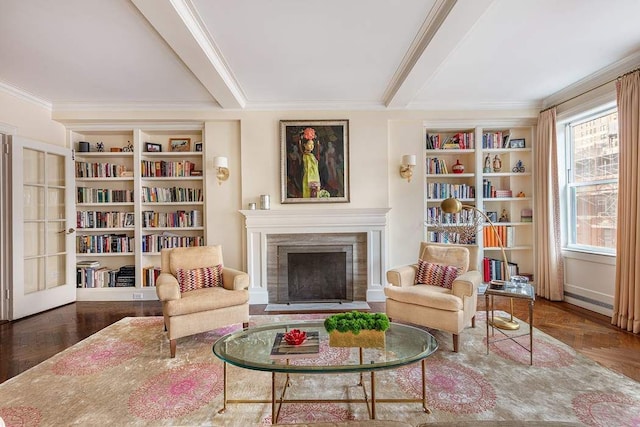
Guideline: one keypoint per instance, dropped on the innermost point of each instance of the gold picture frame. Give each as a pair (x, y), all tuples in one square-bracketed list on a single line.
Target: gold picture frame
[(179, 144)]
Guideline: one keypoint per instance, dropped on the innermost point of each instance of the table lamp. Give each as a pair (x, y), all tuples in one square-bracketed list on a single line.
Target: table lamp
[(454, 206)]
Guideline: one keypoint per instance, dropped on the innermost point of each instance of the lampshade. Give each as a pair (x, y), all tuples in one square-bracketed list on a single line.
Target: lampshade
[(220, 162), (409, 159)]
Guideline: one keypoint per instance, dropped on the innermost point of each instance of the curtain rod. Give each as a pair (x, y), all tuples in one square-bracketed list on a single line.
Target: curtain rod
[(590, 90)]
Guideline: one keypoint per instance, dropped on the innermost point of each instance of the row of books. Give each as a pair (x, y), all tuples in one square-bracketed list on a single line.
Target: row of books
[(172, 219), (457, 141), (442, 190), (103, 195), (105, 243), (89, 274), (446, 237), (436, 166), (99, 170), (495, 140), (171, 194), (490, 191), (495, 269), (149, 276), (465, 216), (99, 219), (157, 242), (162, 168), (506, 234)]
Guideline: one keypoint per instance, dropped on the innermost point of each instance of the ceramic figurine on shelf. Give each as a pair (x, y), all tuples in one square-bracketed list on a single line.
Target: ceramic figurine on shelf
[(504, 216), (497, 164), (100, 147), (128, 148), (487, 164), (519, 167)]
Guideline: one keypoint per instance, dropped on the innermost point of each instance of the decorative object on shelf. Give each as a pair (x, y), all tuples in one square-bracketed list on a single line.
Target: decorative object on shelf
[(493, 216), (406, 166), (357, 329), (150, 147), (453, 206), (115, 149), (458, 167), (252, 206), (265, 202), (180, 144), (504, 216), (128, 148), (526, 215), (519, 167), (198, 146), (221, 165), (517, 143), (487, 164), (521, 194), (295, 337), (497, 164), (314, 159), (100, 147), (83, 147)]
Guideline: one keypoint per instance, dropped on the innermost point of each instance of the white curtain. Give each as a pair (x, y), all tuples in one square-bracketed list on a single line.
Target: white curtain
[(549, 274)]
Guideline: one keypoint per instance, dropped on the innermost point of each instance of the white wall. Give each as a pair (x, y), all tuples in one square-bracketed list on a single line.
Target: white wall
[(29, 120)]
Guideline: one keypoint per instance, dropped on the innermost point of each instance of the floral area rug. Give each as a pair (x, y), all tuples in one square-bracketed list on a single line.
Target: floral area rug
[(123, 376)]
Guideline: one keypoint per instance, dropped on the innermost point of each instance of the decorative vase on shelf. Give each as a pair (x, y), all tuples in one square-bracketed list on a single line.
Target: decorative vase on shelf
[(458, 167)]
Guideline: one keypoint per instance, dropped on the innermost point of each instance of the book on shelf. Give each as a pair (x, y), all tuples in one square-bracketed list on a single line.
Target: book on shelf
[(282, 350)]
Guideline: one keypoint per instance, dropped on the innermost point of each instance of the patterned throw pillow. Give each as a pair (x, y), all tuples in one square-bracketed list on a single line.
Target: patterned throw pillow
[(206, 277), (436, 274)]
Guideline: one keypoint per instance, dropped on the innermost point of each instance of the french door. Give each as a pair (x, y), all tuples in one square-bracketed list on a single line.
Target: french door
[(41, 226)]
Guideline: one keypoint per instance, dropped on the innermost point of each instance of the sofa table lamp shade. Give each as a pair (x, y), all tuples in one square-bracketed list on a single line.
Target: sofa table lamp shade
[(221, 165), (453, 206)]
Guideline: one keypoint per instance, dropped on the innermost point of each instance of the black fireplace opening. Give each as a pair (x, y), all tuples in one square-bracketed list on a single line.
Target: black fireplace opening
[(317, 276)]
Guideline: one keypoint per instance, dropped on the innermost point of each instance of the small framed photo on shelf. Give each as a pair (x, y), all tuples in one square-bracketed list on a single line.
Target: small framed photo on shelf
[(493, 216), (150, 147), (129, 219), (180, 144), (198, 146), (517, 143)]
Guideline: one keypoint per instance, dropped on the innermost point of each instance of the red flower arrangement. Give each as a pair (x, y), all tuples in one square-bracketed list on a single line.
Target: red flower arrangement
[(295, 337)]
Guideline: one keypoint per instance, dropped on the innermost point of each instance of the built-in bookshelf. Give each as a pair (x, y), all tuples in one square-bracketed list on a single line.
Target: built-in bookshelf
[(491, 169), (138, 190)]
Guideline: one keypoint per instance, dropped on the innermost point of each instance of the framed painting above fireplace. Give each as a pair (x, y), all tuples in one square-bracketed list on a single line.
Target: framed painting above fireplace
[(314, 161)]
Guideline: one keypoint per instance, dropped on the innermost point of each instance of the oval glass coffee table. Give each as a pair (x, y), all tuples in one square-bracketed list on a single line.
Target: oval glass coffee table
[(251, 349)]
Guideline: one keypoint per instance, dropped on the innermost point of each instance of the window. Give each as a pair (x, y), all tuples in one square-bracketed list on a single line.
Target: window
[(592, 182)]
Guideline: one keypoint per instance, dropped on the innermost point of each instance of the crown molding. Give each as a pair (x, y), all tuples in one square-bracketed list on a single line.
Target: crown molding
[(315, 105), (134, 106), (118, 125), (475, 106), (482, 122), (595, 80), (25, 96)]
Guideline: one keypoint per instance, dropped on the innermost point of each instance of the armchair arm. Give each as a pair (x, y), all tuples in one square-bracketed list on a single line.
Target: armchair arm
[(167, 287), (465, 284), (403, 276), (234, 280)]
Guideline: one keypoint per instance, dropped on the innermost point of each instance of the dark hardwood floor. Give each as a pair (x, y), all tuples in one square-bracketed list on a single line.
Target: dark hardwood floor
[(26, 342)]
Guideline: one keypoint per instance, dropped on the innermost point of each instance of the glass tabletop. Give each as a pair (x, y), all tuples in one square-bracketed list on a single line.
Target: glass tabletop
[(523, 290), (251, 349)]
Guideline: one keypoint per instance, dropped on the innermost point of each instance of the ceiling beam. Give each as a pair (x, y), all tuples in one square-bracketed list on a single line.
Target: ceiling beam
[(445, 26), (179, 25)]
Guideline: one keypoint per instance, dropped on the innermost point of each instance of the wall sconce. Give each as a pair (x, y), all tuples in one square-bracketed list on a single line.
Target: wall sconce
[(406, 167), (221, 165)]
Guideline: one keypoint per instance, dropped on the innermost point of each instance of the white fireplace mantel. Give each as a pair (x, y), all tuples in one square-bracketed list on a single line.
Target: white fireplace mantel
[(260, 223)]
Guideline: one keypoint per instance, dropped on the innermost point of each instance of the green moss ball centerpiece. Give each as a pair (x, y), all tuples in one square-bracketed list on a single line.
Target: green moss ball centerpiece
[(357, 329)]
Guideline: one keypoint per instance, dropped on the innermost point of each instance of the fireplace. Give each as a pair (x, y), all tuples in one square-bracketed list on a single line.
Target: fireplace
[(364, 230), (312, 267)]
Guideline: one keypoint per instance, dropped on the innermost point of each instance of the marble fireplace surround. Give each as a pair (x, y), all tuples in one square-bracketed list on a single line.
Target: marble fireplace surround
[(260, 224)]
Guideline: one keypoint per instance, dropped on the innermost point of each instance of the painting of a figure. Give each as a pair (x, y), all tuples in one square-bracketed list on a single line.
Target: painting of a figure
[(315, 159)]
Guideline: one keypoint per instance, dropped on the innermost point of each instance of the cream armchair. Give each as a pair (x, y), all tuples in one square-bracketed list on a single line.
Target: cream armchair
[(200, 310), (436, 307)]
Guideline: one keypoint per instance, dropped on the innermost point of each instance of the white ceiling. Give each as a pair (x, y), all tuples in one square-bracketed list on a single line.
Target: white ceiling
[(297, 54)]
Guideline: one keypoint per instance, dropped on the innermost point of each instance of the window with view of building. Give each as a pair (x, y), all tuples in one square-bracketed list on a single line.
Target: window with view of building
[(592, 174)]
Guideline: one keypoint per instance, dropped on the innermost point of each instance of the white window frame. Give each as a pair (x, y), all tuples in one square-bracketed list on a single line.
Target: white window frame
[(568, 207)]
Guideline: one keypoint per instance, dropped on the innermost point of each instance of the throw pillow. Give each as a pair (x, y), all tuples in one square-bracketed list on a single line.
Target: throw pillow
[(436, 274), (205, 277)]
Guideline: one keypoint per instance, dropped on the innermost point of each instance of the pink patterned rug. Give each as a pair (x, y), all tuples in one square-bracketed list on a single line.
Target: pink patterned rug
[(123, 376)]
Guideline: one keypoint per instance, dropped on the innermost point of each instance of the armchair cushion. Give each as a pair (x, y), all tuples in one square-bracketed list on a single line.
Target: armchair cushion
[(436, 274), (425, 296), (197, 278), (205, 299)]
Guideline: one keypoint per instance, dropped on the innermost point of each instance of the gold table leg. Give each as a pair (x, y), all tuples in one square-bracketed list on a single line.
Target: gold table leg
[(224, 388)]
